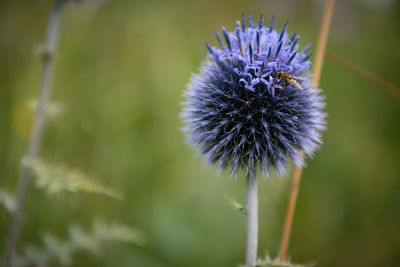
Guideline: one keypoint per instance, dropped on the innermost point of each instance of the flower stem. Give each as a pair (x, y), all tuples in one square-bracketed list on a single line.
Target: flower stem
[(319, 59), (37, 133), (252, 220)]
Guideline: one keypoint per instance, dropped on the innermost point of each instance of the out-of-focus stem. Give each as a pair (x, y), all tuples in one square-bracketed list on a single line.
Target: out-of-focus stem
[(319, 58), (37, 133), (290, 211), (321, 43), (364, 73), (252, 221)]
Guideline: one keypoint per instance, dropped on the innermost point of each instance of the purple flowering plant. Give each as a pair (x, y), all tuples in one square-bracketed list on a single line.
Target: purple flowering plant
[(253, 104)]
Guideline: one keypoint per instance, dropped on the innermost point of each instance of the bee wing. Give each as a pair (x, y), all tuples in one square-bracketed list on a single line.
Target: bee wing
[(300, 78)]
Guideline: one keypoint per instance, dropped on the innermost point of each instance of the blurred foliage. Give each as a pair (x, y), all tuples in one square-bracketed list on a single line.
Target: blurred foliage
[(59, 178), (23, 115), (121, 69), (270, 262), (53, 109), (7, 200), (55, 250)]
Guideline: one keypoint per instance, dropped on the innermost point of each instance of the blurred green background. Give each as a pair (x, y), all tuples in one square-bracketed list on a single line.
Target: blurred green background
[(121, 69)]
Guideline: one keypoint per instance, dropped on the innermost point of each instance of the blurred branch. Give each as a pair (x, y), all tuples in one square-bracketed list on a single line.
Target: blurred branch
[(364, 73), (37, 133), (319, 59), (321, 43)]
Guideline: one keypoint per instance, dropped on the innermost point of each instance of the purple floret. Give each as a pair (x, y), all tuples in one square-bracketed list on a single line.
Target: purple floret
[(241, 114)]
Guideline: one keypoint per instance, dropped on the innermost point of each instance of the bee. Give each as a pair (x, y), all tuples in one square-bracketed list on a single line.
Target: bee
[(286, 77)]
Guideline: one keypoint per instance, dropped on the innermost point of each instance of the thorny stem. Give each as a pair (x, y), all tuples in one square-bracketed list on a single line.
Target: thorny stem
[(37, 133), (364, 73), (319, 58), (252, 220)]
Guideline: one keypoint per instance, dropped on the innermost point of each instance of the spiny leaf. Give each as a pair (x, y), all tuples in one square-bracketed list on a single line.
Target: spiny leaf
[(7, 200), (277, 263), (236, 205), (269, 262), (57, 178)]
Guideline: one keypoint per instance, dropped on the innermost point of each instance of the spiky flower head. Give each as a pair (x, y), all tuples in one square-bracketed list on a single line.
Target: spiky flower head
[(252, 104)]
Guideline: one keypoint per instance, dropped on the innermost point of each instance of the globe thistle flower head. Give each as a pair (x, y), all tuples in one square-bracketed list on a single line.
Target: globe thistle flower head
[(252, 104)]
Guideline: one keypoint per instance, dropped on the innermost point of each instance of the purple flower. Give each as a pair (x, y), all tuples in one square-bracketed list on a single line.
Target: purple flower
[(252, 104)]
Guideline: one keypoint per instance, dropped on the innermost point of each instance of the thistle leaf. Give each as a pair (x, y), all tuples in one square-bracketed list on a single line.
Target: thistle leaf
[(58, 249), (32, 254), (62, 251), (118, 232), (269, 262), (83, 240), (56, 178)]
